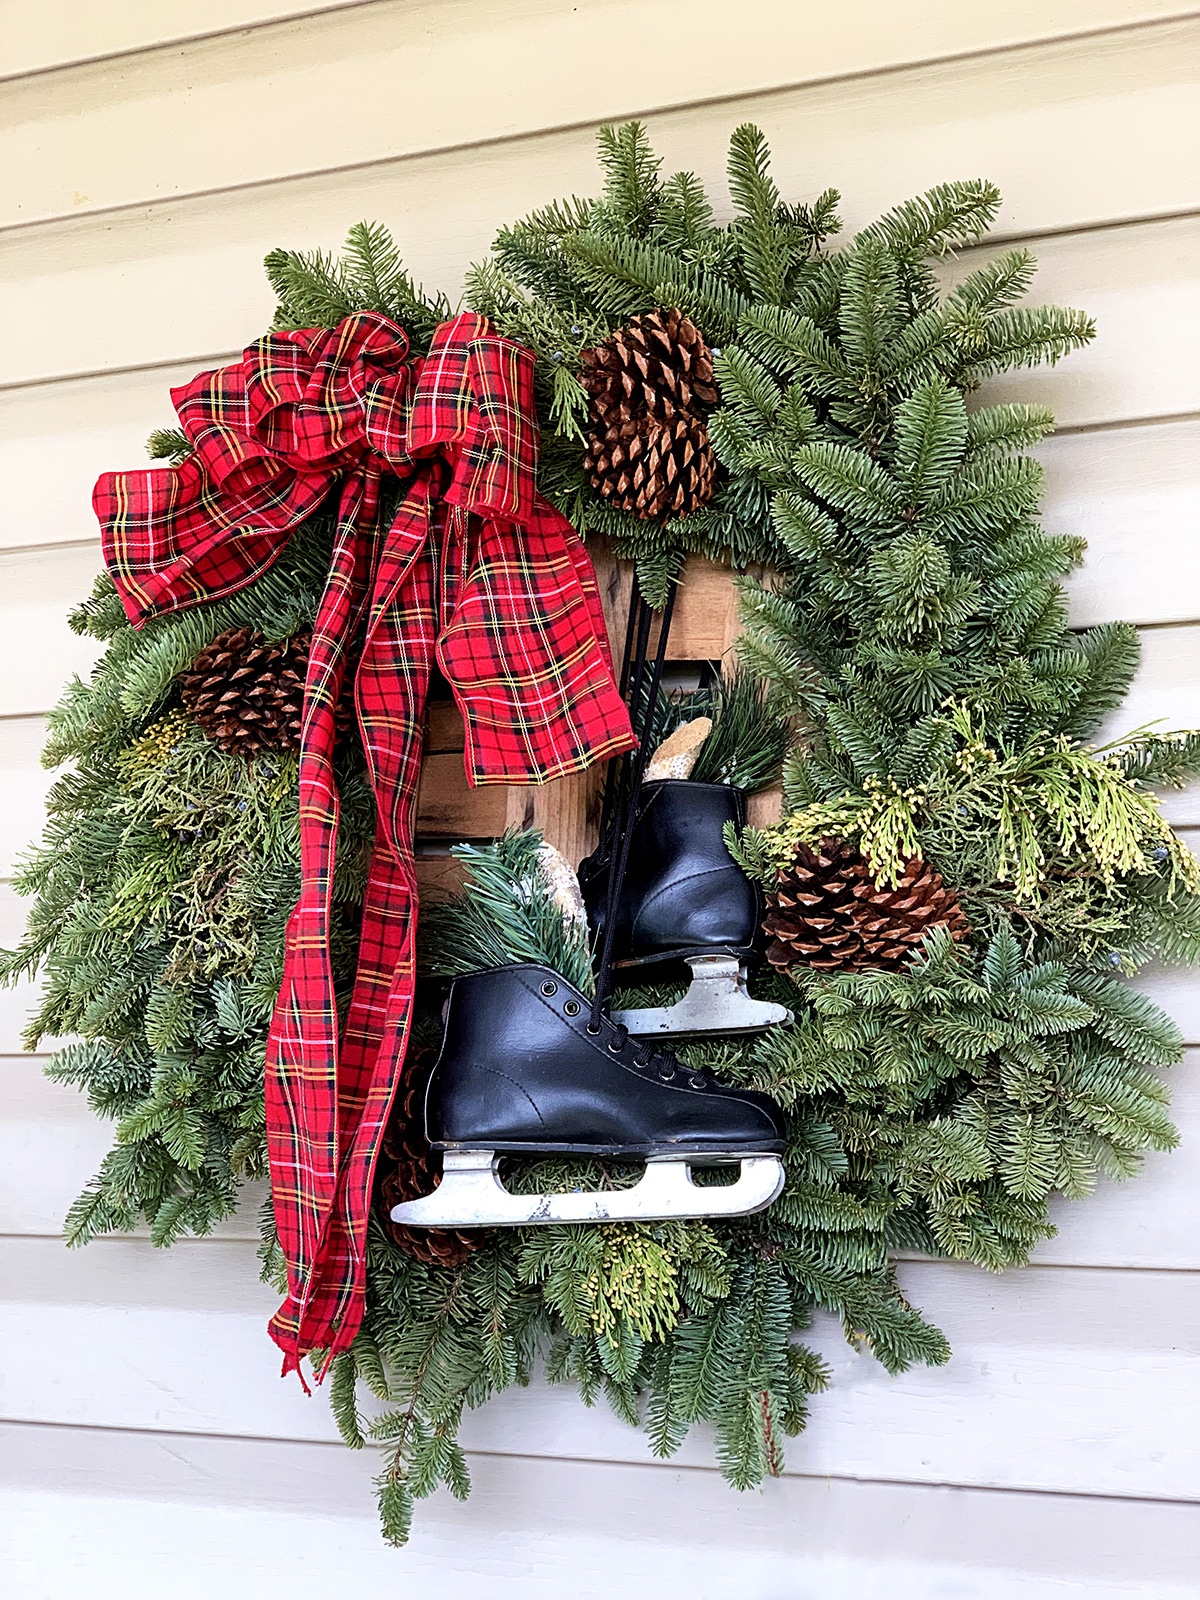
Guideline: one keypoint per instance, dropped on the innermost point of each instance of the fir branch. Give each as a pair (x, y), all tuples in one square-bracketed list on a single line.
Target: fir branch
[(947, 217), (765, 254), (505, 914)]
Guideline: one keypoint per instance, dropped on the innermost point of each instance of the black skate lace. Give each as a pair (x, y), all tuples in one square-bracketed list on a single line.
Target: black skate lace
[(666, 1064), (625, 778)]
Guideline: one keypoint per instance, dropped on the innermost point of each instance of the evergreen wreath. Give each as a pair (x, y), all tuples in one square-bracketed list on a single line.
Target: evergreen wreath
[(916, 637)]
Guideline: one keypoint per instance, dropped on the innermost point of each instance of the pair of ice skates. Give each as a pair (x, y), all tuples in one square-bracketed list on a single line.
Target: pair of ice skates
[(529, 1065)]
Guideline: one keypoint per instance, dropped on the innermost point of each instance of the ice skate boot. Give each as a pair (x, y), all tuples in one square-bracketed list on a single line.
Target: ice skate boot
[(685, 899), (527, 1066)]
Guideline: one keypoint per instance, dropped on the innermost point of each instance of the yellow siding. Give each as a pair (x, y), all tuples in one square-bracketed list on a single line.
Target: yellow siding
[(151, 155)]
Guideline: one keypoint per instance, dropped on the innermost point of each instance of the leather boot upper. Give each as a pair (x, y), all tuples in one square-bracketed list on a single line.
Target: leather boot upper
[(520, 1069)]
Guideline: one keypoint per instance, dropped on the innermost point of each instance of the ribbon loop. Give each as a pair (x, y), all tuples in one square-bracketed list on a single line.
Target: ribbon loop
[(476, 567)]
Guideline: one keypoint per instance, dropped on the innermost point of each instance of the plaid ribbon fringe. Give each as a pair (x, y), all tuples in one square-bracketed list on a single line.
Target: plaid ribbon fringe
[(476, 571)]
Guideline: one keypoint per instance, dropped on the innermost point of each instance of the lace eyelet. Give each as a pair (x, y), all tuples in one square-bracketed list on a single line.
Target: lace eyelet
[(593, 1030), (572, 1008), (696, 1081), (668, 1076), (549, 988), (615, 1047)]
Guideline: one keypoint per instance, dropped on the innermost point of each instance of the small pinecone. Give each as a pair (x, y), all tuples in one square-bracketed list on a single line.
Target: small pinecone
[(247, 693), (828, 913), (651, 384), (410, 1167)]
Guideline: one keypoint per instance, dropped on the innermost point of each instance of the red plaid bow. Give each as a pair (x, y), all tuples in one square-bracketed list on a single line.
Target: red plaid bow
[(475, 568)]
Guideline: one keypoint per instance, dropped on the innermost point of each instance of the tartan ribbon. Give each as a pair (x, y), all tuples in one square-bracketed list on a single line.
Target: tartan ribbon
[(476, 570)]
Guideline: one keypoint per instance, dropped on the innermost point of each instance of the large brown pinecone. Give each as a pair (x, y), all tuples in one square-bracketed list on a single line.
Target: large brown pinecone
[(827, 912), (409, 1167), (651, 385)]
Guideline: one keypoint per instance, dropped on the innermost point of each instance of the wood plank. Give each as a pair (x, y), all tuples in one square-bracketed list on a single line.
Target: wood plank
[(1140, 283), (24, 784), (1166, 689), (18, 1002), (56, 441), (38, 651), (448, 809), (765, 808), (705, 625), (443, 728), (255, 1516), (62, 32), (1134, 495), (51, 1144), (230, 110), (565, 810), (438, 876), (1165, 695), (1152, 1220), (1177, 991), (1080, 1381), (1107, 106)]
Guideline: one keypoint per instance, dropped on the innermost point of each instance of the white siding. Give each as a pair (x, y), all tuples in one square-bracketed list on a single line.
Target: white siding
[(152, 154)]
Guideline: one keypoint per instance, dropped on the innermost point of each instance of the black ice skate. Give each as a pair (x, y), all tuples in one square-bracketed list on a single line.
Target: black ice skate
[(684, 899), (528, 1064)]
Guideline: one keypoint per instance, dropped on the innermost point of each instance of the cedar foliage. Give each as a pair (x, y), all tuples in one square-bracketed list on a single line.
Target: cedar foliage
[(916, 638), (160, 894)]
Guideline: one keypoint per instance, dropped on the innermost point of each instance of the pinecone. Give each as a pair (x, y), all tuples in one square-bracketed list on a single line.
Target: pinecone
[(410, 1167), (247, 693), (827, 912), (651, 384)]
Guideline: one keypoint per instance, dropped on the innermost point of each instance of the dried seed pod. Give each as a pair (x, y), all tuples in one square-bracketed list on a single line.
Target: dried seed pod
[(409, 1167)]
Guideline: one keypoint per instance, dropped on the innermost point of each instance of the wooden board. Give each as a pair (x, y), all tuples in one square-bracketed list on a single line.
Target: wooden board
[(38, 651), (1140, 282), (1107, 106), (77, 1503), (235, 109), (63, 32), (1075, 1380)]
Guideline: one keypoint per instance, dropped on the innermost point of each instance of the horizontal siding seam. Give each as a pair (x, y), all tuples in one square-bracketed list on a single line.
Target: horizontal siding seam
[(864, 75), (667, 1465), (311, 13), (199, 363), (1162, 419), (191, 1241), (181, 40), (56, 544)]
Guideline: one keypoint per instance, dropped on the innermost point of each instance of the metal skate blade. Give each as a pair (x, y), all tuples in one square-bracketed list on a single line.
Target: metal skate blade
[(718, 1001), (471, 1195)]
